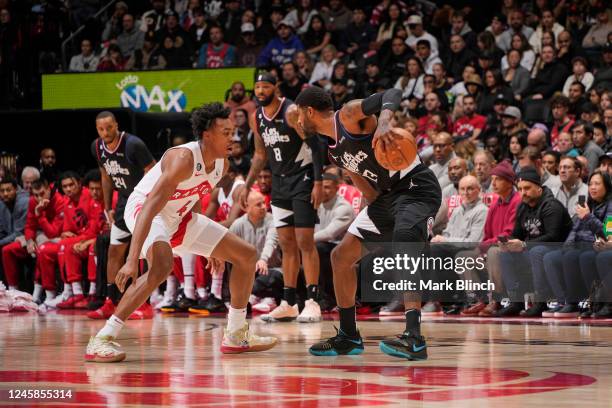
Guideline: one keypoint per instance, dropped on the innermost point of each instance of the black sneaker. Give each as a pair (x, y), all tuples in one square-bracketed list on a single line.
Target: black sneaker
[(535, 310), (513, 309), (407, 345), (454, 310), (95, 304), (340, 344), (569, 310), (180, 305), (604, 312), (214, 305)]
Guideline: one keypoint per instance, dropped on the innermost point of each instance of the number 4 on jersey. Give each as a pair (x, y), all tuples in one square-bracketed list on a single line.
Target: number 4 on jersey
[(184, 208)]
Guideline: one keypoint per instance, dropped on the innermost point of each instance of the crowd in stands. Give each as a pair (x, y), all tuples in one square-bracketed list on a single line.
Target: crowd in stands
[(513, 115)]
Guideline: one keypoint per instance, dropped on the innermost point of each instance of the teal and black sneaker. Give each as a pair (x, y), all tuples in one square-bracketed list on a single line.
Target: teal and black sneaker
[(340, 344), (407, 345)]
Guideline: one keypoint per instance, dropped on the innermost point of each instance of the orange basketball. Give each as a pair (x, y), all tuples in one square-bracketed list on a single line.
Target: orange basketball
[(400, 158)]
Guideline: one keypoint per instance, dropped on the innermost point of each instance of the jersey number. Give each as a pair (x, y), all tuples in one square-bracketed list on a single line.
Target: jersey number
[(184, 208), (277, 154)]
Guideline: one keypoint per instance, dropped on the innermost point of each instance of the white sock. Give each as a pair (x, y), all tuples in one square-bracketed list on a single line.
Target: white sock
[(92, 288), (188, 262), (11, 287), (189, 287), (236, 318), (77, 288), (67, 291), (37, 291), (216, 288), (112, 327), (155, 293), (202, 293), (50, 294)]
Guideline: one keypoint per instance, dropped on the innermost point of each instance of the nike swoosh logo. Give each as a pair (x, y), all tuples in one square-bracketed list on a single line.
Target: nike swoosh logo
[(357, 342), (417, 349)]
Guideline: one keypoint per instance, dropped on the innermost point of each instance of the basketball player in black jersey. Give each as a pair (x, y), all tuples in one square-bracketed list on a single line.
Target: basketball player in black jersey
[(296, 167), (401, 206), (123, 160)]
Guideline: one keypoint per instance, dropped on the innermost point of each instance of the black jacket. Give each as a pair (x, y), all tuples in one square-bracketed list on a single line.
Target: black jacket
[(548, 80), (548, 221)]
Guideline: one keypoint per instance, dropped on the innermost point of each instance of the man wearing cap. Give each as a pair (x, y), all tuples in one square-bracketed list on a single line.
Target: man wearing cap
[(512, 124), (216, 53), (296, 166), (494, 118), (415, 25), (559, 106), (281, 48), (500, 222), (248, 47), (605, 163), (540, 218), (582, 135), (131, 38)]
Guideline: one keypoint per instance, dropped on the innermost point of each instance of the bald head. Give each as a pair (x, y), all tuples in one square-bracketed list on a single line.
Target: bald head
[(442, 146), (469, 189), (537, 138), (256, 207)]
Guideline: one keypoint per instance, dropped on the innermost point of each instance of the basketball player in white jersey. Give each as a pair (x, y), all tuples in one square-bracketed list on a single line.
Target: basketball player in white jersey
[(162, 214)]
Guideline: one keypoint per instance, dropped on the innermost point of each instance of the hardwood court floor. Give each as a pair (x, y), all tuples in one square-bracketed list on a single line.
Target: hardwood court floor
[(174, 361)]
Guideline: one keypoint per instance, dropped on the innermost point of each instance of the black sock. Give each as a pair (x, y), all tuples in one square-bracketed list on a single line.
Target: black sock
[(348, 323), (112, 291), (289, 295), (413, 321), (313, 292)]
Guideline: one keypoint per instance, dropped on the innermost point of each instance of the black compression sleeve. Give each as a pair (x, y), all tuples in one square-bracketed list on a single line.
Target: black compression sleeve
[(318, 148), (389, 99)]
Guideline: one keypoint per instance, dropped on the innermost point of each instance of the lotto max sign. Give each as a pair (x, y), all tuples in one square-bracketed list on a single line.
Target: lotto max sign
[(146, 91)]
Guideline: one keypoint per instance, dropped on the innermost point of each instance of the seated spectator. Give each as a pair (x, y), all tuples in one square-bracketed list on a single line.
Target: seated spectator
[(512, 125), (292, 83), (497, 26), (238, 99), (29, 175), (559, 106), (515, 75), (43, 216), (248, 47), (471, 124), (582, 135), (565, 145), (301, 15), (316, 37), (358, 35), (603, 75), (198, 31), (493, 146), (584, 163), (425, 124), (516, 20), (230, 20), (264, 186), (516, 145), (540, 218), (340, 93), (597, 36), (80, 248), (417, 33), (549, 79), (113, 61), (493, 86), (323, 70), (499, 223), (131, 38), (174, 53), (13, 210), (442, 153), (537, 136), (238, 158), (459, 57), (153, 19), (428, 58), (528, 56), (483, 164), (393, 63), (216, 53), (547, 24), (550, 161), (48, 162), (282, 48), (457, 169), (600, 137), (572, 186), (459, 89), (411, 83), (86, 61), (577, 99), (335, 216), (459, 26), (147, 58), (485, 42), (532, 157), (580, 73), (114, 25), (494, 119), (224, 206), (337, 17)]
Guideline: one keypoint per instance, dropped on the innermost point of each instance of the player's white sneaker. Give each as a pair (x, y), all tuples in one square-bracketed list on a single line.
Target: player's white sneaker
[(166, 301), (311, 312), (265, 305), (104, 349), (52, 303), (243, 340), (283, 313)]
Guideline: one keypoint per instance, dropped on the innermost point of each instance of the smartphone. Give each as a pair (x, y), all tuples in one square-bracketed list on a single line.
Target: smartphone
[(581, 200), (502, 238)]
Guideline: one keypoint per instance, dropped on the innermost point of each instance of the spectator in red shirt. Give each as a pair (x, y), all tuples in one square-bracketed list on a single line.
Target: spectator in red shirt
[(50, 254), (81, 247), (44, 220), (559, 106), (471, 124)]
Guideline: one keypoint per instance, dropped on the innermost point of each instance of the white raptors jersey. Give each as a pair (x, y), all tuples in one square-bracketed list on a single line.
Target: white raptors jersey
[(227, 201), (189, 191)]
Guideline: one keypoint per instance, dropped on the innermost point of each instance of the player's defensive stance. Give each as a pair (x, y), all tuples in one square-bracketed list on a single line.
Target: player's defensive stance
[(400, 205), (162, 215)]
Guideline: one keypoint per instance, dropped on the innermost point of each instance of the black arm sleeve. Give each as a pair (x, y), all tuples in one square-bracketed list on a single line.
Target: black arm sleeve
[(389, 99), (318, 149)]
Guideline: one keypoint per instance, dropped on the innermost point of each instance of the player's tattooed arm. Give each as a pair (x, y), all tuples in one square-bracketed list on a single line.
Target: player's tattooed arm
[(257, 162), (177, 165), (387, 103)]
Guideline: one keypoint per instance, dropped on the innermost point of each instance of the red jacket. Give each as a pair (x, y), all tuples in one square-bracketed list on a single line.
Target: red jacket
[(96, 220), (500, 220), (76, 214), (49, 221)]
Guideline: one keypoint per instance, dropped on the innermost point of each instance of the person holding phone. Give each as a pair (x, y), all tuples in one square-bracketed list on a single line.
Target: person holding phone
[(572, 187), (571, 270)]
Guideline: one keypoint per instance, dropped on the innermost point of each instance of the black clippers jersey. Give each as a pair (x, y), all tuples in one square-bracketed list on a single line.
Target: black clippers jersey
[(124, 173), (287, 153), (355, 154)]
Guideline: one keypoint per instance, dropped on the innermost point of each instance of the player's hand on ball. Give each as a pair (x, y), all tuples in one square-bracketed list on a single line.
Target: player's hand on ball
[(385, 135), (316, 195), (262, 267), (127, 271)]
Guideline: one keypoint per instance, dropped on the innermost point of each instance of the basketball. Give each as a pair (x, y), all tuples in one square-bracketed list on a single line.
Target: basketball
[(397, 159)]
